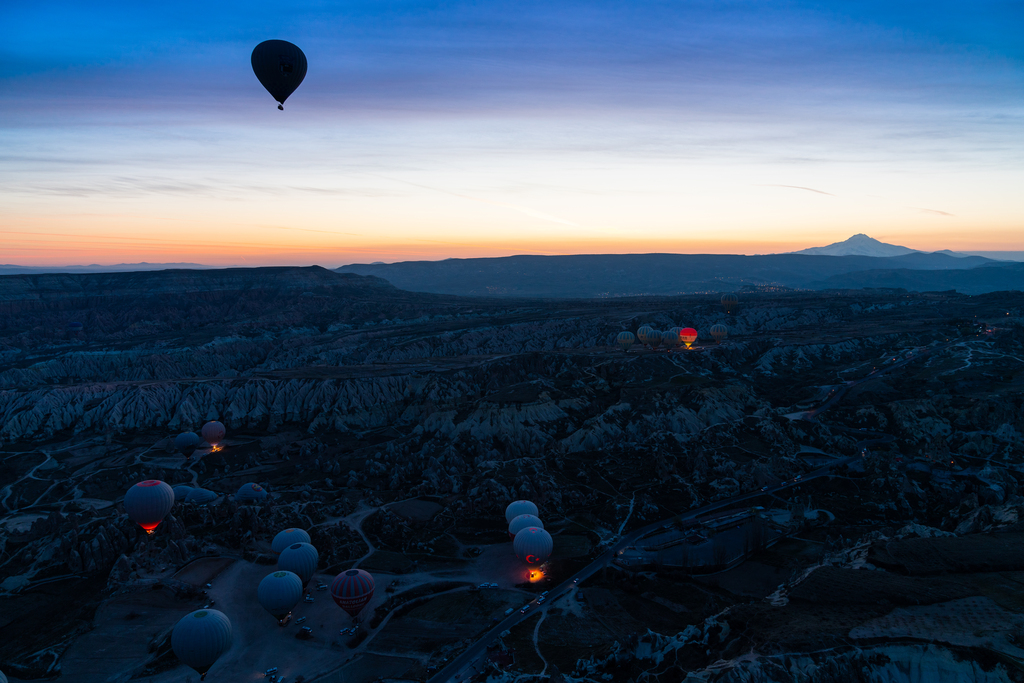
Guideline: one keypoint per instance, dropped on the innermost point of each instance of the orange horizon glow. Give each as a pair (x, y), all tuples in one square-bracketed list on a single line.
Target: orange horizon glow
[(53, 243)]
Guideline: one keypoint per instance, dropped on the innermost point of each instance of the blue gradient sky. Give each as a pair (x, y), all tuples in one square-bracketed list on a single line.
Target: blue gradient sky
[(425, 130)]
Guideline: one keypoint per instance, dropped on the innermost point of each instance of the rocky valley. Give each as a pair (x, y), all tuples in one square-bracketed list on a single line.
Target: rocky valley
[(831, 493)]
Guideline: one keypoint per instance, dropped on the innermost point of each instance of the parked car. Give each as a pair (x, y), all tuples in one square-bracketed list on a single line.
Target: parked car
[(525, 609)]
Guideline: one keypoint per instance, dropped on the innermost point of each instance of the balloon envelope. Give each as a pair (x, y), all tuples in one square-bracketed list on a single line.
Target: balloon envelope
[(670, 338), (250, 493), (644, 334), (201, 496), (300, 559), (280, 66), (729, 301), (186, 442), (519, 507), (521, 522), (288, 537), (279, 592), (533, 545), (719, 332), (213, 433), (181, 492), (148, 502), (200, 638), (688, 335), (625, 340), (352, 589)]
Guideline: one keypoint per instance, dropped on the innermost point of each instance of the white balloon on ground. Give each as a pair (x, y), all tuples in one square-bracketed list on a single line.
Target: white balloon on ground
[(519, 507), (200, 638), (300, 559), (279, 592), (523, 521), (181, 492), (533, 545), (288, 537), (250, 494)]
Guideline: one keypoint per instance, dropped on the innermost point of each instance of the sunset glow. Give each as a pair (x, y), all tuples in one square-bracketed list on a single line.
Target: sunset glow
[(496, 129)]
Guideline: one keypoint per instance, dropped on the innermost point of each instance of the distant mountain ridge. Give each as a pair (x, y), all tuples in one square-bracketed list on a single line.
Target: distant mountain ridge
[(862, 245), (602, 275), (12, 269)]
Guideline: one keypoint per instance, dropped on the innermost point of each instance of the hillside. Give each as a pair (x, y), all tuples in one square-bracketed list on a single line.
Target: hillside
[(994, 278), (636, 274)]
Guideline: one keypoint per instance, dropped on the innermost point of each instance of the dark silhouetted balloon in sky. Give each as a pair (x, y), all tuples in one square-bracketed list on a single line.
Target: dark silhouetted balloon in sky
[(280, 66)]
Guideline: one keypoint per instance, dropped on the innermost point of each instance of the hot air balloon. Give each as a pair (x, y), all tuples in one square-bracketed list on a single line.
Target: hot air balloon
[(213, 433), (670, 338), (280, 67), (288, 537), (201, 496), (644, 334), (625, 340), (688, 335), (279, 592), (301, 559), (719, 332), (729, 302), (200, 638), (250, 494), (186, 443), (533, 545), (519, 507), (148, 502), (654, 338), (181, 492), (352, 589), (521, 522)]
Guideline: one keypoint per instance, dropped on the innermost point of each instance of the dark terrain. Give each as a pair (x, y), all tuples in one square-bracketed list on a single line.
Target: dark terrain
[(615, 275), (396, 426)]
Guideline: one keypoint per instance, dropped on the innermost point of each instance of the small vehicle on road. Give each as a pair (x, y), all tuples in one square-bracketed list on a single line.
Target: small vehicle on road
[(299, 620), (764, 488), (544, 594), (525, 609), (308, 598), (541, 599), (509, 611), (798, 477), (271, 671), (576, 580), (321, 586)]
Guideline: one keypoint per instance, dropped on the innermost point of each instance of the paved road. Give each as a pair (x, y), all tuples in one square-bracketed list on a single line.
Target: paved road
[(468, 664)]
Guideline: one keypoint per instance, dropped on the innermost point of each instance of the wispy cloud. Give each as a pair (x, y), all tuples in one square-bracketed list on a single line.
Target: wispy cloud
[(800, 187), (533, 213), (936, 212)]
